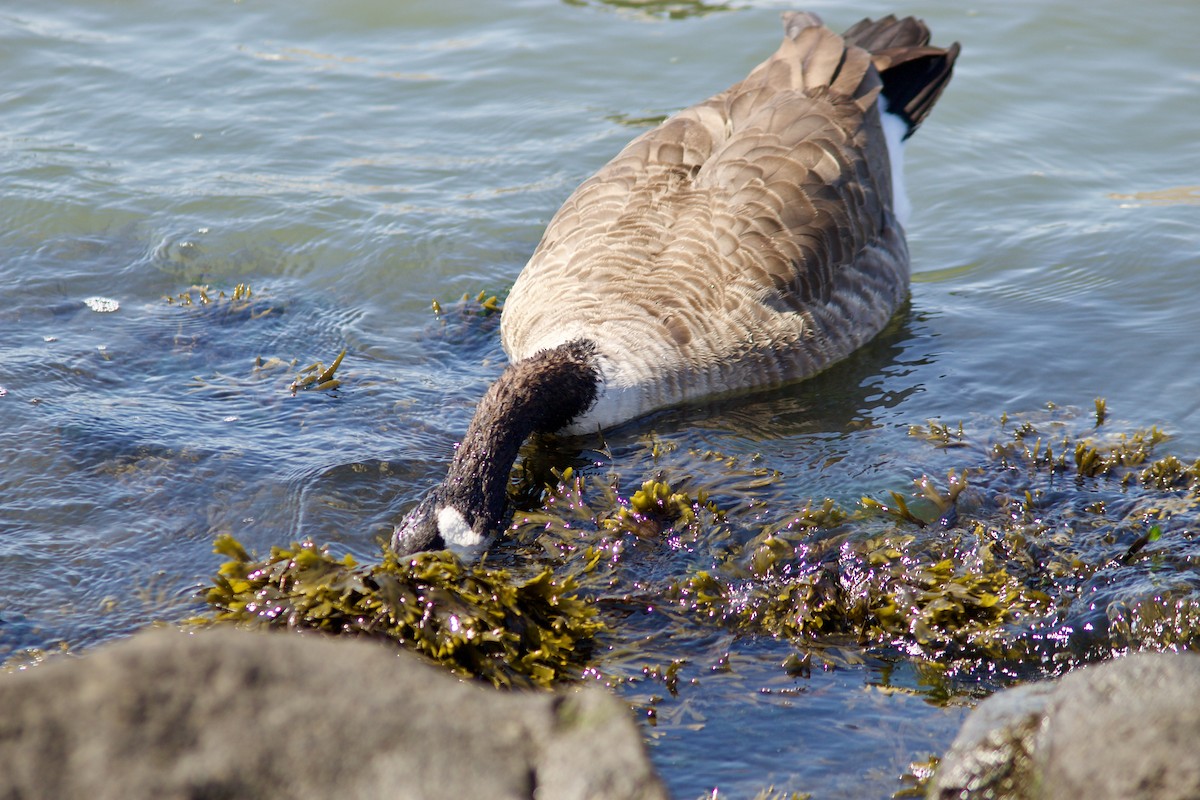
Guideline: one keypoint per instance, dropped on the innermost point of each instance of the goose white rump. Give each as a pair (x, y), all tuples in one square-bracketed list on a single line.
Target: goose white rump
[(750, 240)]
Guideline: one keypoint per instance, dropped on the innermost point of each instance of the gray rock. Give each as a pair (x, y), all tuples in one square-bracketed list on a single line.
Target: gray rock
[(1128, 729), (231, 714)]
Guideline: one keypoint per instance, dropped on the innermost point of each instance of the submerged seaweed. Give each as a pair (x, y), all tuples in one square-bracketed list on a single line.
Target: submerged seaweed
[(1021, 559), (483, 305), (1044, 546), (652, 9), (317, 376), (241, 303)]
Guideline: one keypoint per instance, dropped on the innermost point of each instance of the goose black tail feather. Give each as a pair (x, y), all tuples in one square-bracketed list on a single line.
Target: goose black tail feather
[(914, 72)]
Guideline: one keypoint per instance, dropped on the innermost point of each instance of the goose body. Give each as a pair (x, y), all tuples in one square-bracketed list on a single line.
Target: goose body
[(748, 241)]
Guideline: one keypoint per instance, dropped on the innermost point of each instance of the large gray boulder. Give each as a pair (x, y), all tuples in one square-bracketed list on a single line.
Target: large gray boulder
[(232, 714), (1127, 729)]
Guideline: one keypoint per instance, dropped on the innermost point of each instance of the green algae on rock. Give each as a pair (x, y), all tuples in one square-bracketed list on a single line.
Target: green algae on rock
[(477, 621)]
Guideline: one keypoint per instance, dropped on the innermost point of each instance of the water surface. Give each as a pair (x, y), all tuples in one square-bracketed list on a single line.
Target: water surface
[(352, 162)]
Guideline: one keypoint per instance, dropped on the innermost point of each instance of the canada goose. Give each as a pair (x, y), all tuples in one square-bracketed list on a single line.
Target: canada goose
[(750, 240)]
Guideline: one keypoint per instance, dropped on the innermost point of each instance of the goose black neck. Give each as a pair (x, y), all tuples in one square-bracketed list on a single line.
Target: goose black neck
[(539, 394)]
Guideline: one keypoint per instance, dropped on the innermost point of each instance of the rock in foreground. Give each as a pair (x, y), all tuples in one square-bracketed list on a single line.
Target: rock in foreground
[(232, 714), (1128, 729)]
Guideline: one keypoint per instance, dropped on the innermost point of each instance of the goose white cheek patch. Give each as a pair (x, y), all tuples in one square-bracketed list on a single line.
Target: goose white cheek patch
[(456, 533)]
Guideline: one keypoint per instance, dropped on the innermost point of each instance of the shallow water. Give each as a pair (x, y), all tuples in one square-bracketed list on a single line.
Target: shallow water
[(353, 162)]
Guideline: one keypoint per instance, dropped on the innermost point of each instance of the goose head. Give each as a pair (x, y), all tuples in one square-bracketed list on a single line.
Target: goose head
[(539, 394), (438, 524)]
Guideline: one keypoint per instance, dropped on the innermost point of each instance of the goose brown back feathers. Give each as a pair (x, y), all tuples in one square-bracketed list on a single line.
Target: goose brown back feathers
[(749, 240)]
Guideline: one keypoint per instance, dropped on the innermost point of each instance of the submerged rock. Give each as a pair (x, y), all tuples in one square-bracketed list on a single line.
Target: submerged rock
[(1128, 729), (225, 713)]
